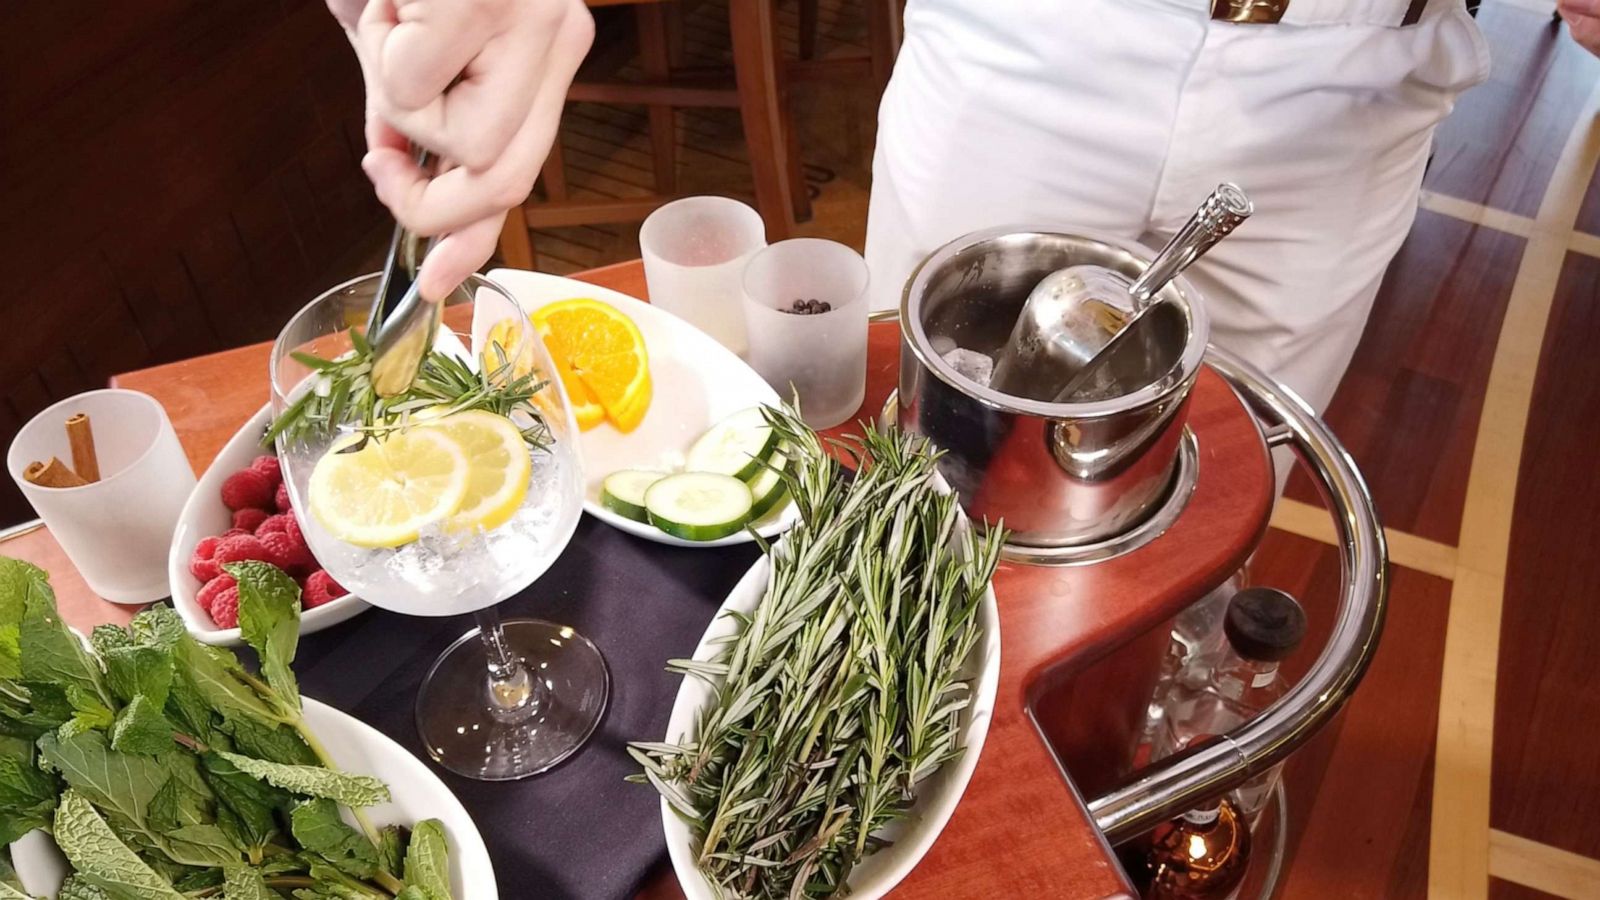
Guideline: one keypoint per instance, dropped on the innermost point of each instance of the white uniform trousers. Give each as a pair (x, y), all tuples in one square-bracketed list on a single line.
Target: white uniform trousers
[(1121, 115)]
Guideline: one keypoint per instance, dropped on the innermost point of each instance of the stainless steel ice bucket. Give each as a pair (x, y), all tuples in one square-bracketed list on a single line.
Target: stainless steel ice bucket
[(1058, 474)]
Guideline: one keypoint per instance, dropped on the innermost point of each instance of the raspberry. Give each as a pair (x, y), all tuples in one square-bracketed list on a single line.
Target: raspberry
[(268, 466), (285, 553), (241, 547), (273, 523), (249, 519), (281, 498), (208, 593), (225, 608), (245, 489), (201, 564), (321, 588), (233, 532)]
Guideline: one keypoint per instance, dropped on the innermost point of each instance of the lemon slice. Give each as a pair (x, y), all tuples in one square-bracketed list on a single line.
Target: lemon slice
[(384, 494), (498, 467)]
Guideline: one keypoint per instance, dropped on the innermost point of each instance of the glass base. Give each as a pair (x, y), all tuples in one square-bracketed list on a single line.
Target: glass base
[(470, 735)]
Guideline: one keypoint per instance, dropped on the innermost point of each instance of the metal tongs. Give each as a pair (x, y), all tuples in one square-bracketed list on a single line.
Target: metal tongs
[(402, 324)]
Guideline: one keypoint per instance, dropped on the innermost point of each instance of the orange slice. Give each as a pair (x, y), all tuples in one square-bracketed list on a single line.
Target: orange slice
[(605, 353), (585, 408)]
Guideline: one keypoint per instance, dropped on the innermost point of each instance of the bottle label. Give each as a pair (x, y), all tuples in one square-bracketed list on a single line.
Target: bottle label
[(1262, 679), (1202, 816)]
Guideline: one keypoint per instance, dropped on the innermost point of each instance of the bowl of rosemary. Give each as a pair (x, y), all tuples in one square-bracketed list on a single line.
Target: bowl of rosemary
[(835, 709)]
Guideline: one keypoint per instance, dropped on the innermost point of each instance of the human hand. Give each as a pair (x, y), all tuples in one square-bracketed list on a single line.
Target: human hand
[(481, 84), (1583, 18)]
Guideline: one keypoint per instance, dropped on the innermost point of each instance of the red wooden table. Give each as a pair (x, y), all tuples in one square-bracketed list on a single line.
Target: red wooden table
[(1021, 830)]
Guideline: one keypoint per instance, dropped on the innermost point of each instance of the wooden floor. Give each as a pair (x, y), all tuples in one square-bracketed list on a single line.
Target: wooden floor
[(1467, 765)]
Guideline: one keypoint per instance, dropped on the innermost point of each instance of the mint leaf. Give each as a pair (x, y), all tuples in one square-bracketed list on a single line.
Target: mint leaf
[(27, 798), (316, 825), (246, 805), (269, 621), (100, 858), (245, 883), (215, 677), (18, 582), (75, 888), (428, 860), (50, 652), (135, 670), (314, 781), (175, 805), (124, 786), (88, 713), (392, 849), (200, 845), (198, 880), (105, 638), (7, 892), (141, 728), (158, 626), (278, 743)]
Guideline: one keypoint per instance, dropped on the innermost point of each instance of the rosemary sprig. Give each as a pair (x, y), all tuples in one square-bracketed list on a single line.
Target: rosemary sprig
[(844, 688), (342, 394)]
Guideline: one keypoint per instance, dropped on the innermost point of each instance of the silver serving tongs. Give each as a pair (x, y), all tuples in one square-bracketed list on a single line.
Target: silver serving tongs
[(402, 325)]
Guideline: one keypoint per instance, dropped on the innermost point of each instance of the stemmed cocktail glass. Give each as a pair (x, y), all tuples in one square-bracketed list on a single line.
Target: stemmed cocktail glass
[(387, 511)]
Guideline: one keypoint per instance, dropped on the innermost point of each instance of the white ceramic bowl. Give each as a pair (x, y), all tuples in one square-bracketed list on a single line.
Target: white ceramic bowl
[(204, 515), (415, 793), (937, 795), (698, 382)]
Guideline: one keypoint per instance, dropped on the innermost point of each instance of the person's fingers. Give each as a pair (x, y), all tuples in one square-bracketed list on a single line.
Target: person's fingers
[(1585, 30), (381, 135), (429, 44), (456, 198), (475, 120), (458, 255), (1578, 7), (347, 12)]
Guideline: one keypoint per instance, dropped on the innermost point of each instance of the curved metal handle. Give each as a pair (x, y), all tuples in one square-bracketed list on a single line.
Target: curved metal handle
[(1177, 783), (1216, 218)]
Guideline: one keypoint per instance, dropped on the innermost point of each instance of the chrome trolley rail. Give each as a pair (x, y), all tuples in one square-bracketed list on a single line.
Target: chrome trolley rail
[(1178, 783)]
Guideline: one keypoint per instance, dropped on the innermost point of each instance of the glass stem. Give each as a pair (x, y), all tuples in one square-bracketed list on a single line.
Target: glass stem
[(512, 692)]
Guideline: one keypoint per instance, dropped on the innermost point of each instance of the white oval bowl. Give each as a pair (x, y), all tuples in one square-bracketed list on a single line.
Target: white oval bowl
[(937, 795), (204, 515), (415, 794), (698, 382)]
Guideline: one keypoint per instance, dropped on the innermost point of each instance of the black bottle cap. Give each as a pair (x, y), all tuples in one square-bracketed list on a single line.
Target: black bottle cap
[(1264, 624)]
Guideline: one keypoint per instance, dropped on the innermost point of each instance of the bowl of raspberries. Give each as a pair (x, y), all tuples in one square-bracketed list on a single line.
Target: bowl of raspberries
[(240, 510)]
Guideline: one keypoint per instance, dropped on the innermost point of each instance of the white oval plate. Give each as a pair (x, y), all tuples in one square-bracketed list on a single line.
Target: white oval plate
[(937, 797), (698, 382), (415, 794), (203, 516)]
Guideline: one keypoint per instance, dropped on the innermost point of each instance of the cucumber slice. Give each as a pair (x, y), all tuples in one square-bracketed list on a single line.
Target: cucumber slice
[(698, 506), (768, 489), (623, 492), (737, 446)]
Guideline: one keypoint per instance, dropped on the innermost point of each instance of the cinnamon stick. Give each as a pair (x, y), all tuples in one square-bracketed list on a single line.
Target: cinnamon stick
[(81, 438), (53, 474)]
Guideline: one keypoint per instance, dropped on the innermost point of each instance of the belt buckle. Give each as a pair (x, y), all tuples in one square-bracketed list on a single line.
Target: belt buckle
[(1249, 12)]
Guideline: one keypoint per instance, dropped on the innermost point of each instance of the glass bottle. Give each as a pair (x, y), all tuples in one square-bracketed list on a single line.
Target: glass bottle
[(1203, 854), (1196, 643), (1263, 626)]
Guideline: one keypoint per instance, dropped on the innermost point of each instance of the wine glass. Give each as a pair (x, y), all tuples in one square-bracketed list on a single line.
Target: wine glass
[(507, 699)]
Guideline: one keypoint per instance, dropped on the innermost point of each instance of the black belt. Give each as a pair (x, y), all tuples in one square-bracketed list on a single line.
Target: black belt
[(1270, 12)]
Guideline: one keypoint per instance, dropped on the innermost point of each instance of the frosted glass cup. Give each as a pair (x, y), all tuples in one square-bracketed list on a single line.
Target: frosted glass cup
[(821, 357), (117, 531), (695, 250)]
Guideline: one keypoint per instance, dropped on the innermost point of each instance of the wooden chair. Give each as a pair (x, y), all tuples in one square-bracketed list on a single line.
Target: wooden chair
[(884, 33), (757, 92)]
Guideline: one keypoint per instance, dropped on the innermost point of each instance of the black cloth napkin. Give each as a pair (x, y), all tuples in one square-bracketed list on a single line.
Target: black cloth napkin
[(577, 832)]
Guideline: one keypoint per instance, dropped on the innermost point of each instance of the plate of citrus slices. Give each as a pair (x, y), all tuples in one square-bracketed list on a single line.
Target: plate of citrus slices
[(663, 410)]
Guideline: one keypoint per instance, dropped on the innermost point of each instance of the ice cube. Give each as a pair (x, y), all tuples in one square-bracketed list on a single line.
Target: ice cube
[(973, 366)]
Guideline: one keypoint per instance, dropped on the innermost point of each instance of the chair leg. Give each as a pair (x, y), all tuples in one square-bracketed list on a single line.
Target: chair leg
[(756, 65), (516, 242), (654, 58), (884, 33), (554, 172), (808, 29)]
